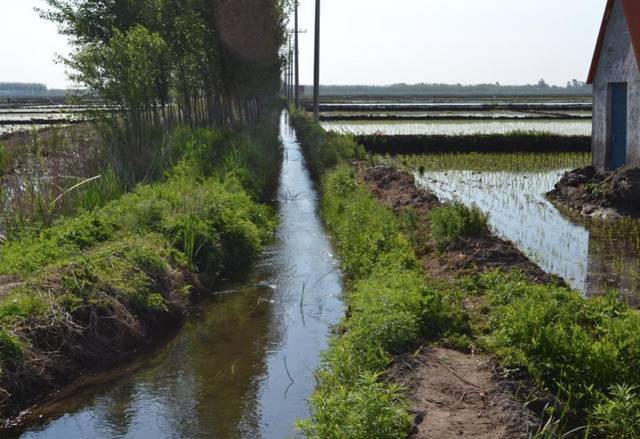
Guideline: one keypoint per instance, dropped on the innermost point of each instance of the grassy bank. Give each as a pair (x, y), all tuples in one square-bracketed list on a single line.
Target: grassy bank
[(482, 143), (391, 307), (90, 289), (584, 351)]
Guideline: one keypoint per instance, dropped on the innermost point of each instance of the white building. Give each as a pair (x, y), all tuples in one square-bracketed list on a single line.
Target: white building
[(615, 75)]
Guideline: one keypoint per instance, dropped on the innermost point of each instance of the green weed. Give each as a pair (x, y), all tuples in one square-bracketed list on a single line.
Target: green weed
[(451, 223)]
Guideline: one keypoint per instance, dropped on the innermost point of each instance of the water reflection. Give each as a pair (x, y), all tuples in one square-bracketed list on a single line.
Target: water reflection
[(227, 373), (592, 257)]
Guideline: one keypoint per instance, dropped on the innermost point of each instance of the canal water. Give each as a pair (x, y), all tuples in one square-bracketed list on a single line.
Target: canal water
[(243, 364), (593, 257)]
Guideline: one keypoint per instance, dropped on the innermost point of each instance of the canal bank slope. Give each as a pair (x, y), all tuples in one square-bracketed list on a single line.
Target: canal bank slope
[(569, 359), (90, 291)]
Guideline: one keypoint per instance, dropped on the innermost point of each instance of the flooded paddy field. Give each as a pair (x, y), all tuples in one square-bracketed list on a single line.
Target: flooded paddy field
[(26, 117), (461, 127), (592, 256), (458, 115)]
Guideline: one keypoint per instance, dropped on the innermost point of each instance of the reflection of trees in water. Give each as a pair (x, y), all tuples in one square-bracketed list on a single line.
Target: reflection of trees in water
[(112, 412), (224, 353)]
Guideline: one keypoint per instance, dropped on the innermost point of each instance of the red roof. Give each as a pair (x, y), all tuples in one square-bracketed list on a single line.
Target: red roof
[(632, 14)]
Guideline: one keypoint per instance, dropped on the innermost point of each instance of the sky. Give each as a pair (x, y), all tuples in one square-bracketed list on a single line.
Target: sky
[(382, 41)]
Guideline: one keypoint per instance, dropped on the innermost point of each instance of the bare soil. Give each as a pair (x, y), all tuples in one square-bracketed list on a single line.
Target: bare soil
[(456, 394), (600, 195), (397, 190)]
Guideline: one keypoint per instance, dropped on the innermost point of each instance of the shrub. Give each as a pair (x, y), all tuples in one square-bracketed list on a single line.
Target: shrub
[(370, 409), (456, 221), (578, 348), (323, 150), (618, 415)]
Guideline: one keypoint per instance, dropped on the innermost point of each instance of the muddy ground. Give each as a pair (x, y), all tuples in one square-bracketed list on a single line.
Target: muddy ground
[(457, 394), (600, 195)]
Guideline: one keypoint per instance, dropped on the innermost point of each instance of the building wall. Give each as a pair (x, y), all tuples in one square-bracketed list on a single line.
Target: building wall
[(617, 64)]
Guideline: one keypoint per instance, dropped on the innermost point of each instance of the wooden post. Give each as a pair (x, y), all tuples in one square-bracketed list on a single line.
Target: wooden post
[(316, 68)]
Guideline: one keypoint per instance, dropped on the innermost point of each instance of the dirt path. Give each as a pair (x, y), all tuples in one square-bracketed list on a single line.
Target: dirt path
[(458, 395)]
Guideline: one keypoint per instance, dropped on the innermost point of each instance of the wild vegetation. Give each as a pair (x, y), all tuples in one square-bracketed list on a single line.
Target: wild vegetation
[(168, 199), (167, 63), (391, 308), (93, 288), (583, 351)]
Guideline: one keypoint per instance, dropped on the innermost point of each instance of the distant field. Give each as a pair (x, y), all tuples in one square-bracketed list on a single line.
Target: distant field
[(461, 127), (456, 115)]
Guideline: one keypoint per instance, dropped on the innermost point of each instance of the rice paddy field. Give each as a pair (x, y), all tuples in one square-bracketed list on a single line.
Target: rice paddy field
[(458, 116), (460, 127), (15, 118), (592, 256)]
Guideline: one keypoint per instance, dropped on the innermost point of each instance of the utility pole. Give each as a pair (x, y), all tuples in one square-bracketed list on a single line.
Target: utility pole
[(289, 63), (291, 73), (297, 58), (316, 67)]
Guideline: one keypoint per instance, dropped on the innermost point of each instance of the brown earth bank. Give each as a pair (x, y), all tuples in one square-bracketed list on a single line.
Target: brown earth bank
[(397, 190), (69, 348), (600, 195), (458, 394)]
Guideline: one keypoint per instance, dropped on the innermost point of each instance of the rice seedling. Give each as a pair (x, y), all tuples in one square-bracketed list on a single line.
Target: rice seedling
[(458, 127), (495, 162)]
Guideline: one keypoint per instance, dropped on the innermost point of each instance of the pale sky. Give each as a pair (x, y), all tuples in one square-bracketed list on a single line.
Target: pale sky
[(383, 41)]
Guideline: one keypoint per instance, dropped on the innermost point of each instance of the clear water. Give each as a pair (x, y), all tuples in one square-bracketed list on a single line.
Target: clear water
[(243, 364)]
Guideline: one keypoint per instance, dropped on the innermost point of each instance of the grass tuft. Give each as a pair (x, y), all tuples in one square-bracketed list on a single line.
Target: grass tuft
[(454, 222)]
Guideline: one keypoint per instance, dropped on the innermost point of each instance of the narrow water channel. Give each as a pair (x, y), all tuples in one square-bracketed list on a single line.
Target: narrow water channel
[(242, 366), (593, 257)]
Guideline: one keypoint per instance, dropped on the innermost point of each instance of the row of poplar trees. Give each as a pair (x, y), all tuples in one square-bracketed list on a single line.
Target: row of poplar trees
[(192, 62)]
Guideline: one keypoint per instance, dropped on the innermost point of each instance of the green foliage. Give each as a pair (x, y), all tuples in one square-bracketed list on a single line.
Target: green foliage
[(322, 150), (124, 259), (10, 346), (175, 61), (579, 348), (391, 309), (496, 162), (451, 223), (618, 415), (371, 409)]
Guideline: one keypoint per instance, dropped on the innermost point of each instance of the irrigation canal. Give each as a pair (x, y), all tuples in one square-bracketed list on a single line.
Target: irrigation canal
[(243, 363)]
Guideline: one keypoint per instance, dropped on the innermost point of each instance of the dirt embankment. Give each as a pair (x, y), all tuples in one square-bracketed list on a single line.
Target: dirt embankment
[(456, 394), (600, 195), (398, 190)]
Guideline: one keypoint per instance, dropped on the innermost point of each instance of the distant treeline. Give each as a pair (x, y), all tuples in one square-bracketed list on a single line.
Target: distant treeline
[(573, 87), (27, 89)]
